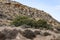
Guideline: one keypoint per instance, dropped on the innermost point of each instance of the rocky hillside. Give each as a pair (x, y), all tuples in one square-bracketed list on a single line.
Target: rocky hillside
[(9, 9)]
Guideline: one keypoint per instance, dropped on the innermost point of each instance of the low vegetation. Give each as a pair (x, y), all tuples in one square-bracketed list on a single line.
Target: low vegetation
[(47, 34), (21, 20), (29, 34)]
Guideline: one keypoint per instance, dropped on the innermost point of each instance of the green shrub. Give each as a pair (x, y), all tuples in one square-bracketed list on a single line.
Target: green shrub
[(41, 23), (21, 20)]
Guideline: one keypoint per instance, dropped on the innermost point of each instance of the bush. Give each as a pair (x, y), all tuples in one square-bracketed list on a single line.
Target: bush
[(2, 35), (37, 32), (41, 23), (10, 34), (46, 34), (29, 34), (21, 20)]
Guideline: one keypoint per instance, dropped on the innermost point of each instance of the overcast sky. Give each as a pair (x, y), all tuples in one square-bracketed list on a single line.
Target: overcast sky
[(50, 6)]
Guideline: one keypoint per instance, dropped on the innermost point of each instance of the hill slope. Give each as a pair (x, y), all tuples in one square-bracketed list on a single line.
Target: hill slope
[(9, 9)]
